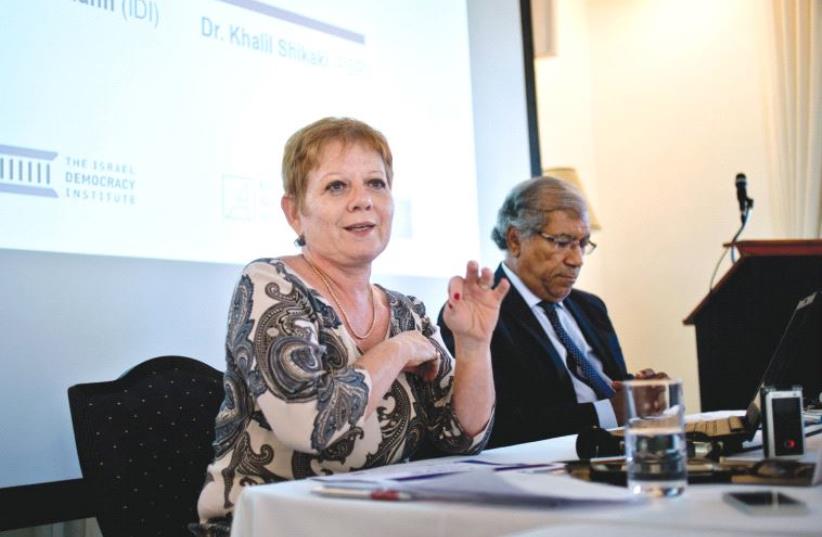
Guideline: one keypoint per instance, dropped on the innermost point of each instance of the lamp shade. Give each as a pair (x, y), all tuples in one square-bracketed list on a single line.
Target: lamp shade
[(543, 28), (569, 175)]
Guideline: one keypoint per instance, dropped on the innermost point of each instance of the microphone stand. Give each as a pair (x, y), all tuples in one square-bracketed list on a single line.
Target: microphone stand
[(743, 216)]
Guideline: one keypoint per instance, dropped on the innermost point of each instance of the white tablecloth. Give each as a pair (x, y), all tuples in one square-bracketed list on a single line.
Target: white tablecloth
[(289, 509)]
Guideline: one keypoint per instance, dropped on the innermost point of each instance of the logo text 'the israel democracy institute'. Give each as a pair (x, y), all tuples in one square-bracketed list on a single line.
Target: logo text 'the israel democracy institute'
[(40, 173)]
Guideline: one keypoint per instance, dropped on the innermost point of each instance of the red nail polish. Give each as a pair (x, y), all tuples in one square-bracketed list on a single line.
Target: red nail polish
[(456, 296)]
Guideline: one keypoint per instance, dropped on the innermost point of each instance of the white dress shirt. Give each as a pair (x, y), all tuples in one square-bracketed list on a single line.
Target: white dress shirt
[(585, 394)]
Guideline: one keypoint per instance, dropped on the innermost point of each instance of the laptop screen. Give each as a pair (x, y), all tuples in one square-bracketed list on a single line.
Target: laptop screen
[(797, 359)]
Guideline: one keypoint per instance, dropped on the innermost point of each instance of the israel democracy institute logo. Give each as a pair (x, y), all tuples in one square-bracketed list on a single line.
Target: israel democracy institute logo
[(26, 171), (35, 172)]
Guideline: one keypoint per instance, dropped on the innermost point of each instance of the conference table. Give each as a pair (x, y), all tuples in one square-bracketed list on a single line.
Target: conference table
[(292, 509)]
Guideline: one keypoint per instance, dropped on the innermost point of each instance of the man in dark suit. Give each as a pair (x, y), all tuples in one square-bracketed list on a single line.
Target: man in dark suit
[(556, 358)]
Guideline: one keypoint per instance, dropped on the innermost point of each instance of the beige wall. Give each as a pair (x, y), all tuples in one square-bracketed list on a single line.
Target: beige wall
[(658, 103)]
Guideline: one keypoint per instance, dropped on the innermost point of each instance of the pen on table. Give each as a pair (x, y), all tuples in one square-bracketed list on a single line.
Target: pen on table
[(363, 493)]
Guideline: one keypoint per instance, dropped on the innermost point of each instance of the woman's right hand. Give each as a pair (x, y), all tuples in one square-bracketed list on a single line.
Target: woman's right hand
[(421, 357)]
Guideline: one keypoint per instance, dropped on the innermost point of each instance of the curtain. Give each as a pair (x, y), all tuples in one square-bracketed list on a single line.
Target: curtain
[(796, 117)]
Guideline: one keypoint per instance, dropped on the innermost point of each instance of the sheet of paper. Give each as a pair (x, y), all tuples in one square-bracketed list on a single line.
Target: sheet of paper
[(567, 487), (472, 481), (613, 530), (487, 483), (431, 469), (489, 488)]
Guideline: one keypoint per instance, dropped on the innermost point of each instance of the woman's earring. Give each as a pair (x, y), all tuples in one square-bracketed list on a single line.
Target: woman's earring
[(299, 242)]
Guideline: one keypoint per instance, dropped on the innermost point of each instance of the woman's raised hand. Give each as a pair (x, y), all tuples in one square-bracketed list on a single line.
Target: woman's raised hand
[(473, 305)]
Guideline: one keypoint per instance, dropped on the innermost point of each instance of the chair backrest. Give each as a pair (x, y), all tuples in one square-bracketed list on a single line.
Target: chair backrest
[(144, 441)]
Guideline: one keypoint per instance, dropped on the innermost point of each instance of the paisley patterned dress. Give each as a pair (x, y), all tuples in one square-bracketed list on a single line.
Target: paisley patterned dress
[(295, 399)]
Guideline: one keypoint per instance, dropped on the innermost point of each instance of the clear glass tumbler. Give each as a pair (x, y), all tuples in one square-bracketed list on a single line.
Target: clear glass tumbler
[(655, 447)]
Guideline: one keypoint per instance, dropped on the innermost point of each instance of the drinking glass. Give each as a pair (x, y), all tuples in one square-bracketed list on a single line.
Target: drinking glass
[(655, 446)]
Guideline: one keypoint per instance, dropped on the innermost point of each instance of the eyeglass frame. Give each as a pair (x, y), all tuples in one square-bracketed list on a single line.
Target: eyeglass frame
[(564, 244)]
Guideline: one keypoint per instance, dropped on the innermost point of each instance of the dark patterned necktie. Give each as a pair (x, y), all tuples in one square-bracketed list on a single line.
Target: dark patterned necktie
[(574, 358)]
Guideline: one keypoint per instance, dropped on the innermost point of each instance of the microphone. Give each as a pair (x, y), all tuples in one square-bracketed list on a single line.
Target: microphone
[(745, 203), (597, 442)]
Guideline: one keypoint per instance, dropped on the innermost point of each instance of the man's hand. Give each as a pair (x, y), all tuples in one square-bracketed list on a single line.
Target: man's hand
[(650, 374), (618, 399)]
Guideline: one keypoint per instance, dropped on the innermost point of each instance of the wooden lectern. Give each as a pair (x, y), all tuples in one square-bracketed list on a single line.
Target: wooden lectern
[(740, 321)]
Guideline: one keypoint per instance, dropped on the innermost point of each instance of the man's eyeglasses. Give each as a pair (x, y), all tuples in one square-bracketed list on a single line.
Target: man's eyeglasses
[(564, 242)]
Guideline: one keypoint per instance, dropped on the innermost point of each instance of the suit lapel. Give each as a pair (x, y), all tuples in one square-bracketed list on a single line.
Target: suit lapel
[(516, 311), (592, 337)]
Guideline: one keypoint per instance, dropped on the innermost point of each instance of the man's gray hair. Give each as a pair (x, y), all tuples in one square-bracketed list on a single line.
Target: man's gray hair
[(529, 203)]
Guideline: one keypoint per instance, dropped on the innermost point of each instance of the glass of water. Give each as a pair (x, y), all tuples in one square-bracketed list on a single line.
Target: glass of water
[(655, 448)]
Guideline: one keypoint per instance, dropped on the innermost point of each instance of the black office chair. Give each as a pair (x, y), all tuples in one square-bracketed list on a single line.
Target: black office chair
[(144, 441)]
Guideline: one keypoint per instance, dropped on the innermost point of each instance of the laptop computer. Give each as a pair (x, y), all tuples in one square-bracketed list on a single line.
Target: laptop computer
[(797, 360)]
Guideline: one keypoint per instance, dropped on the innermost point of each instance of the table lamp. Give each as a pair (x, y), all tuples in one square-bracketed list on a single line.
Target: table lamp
[(569, 175)]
